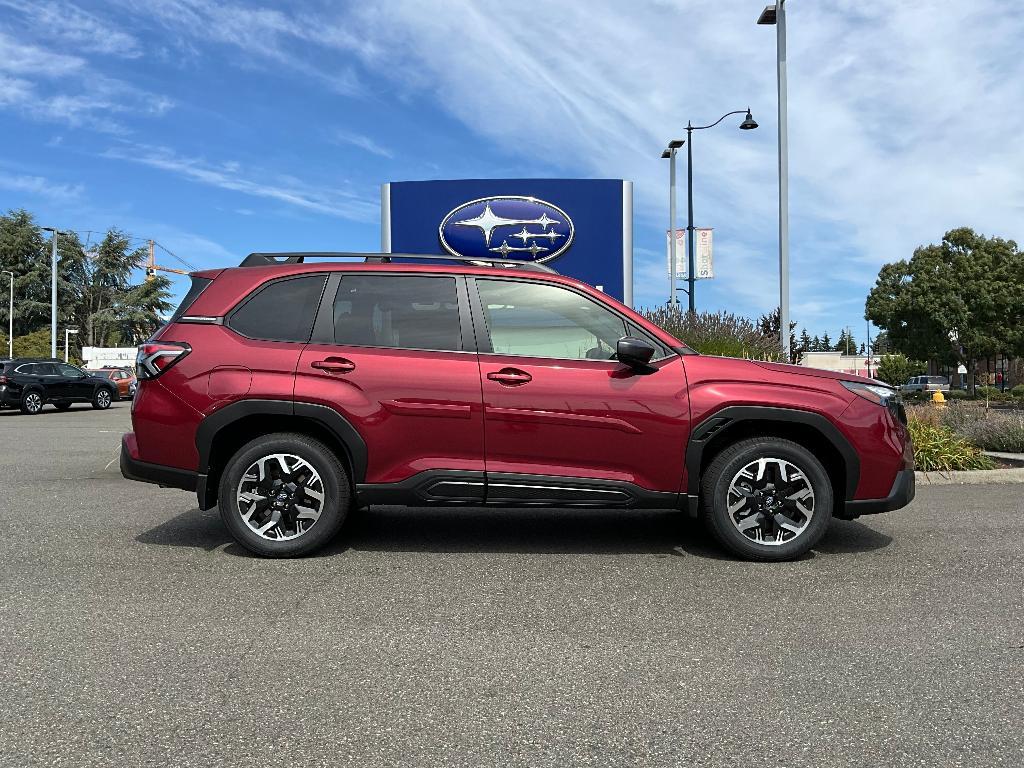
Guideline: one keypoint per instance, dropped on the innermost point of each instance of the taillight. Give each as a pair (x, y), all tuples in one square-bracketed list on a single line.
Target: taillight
[(3, 379), (155, 357)]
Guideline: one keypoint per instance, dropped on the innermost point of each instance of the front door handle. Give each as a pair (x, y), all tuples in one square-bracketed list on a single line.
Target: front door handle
[(510, 377), (334, 365)]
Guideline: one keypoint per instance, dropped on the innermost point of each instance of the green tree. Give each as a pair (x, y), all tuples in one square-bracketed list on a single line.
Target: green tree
[(805, 341), (815, 344), (954, 302), (24, 251), (717, 333), (826, 343)]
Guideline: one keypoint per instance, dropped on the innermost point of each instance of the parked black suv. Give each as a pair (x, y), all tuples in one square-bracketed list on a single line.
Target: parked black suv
[(30, 383)]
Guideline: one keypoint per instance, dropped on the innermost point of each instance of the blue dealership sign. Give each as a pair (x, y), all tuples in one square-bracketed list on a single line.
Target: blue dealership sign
[(581, 227)]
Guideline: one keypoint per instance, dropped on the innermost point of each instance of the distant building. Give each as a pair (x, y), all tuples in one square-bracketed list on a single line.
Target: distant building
[(109, 357), (858, 365)]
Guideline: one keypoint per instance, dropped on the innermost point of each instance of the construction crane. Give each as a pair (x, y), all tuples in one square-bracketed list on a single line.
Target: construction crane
[(152, 267)]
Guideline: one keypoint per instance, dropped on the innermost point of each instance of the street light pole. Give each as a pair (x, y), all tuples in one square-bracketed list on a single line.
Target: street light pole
[(776, 14), (68, 332), (747, 124), (53, 290), (10, 317), (670, 155)]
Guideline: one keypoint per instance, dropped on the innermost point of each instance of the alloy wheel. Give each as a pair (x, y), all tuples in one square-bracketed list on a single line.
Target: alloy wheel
[(103, 398), (33, 402), (280, 496), (770, 501)]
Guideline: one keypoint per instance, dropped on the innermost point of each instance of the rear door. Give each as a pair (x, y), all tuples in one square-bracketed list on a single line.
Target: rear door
[(559, 410), (394, 353)]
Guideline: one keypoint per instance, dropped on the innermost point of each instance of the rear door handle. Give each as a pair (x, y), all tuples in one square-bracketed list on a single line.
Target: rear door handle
[(334, 365), (510, 377)]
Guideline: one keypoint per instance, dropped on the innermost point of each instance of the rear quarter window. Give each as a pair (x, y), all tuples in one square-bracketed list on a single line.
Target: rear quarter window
[(281, 310)]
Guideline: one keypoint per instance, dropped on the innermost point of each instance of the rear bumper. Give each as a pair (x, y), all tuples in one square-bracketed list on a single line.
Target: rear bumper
[(166, 477), (902, 493)]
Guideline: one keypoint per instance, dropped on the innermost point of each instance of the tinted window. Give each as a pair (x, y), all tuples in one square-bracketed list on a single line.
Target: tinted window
[(44, 369), (399, 311), (69, 370), (281, 311), (548, 321), (198, 286)]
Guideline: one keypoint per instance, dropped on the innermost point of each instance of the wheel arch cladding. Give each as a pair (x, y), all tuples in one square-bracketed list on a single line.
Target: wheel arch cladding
[(811, 430), (222, 433)]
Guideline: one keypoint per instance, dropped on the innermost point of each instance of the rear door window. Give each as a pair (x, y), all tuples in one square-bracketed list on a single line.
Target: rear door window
[(282, 310), (398, 311)]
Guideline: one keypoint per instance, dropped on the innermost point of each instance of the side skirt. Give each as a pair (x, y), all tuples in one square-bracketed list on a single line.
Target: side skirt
[(449, 488)]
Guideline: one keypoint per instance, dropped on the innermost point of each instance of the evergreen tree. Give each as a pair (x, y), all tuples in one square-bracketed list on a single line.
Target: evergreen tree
[(826, 343)]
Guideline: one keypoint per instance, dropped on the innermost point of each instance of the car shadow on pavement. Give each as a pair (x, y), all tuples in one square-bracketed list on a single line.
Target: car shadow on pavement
[(527, 531)]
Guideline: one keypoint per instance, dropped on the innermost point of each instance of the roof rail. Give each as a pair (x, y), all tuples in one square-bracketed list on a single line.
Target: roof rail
[(267, 259)]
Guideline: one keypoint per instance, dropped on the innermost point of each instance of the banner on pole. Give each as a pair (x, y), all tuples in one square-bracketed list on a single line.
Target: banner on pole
[(703, 238)]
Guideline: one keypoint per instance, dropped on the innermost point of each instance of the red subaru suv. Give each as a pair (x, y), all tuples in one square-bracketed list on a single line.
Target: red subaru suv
[(289, 390)]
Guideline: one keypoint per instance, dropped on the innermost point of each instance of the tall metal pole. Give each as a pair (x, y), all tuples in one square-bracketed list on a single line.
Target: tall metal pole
[(10, 318), (53, 296), (780, 45), (672, 300), (689, 226)]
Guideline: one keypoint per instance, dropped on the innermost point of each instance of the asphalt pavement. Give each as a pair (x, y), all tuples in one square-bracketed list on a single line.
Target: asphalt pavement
[(133, 632)]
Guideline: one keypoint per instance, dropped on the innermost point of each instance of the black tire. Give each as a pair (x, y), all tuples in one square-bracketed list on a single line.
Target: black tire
[(32, 402), (336, 489), (102, 399), (768, 540), (62, 405)]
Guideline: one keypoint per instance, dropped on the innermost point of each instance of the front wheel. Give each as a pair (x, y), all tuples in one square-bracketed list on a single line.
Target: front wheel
[(102, 399), (767, 498), (284, 495)]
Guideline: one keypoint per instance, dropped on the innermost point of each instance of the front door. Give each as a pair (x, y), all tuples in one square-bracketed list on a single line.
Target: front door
[(560, 412), (74, 382), (394, 354)]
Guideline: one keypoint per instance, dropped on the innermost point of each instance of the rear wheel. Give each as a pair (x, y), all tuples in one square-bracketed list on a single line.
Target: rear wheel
[(767, 499), (102, 399), (284, 495), (32, 402)]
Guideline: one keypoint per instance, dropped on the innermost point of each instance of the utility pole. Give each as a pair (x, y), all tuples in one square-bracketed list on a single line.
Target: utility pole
[(10, 317), (776, 14), (53, 290), (151, 263)]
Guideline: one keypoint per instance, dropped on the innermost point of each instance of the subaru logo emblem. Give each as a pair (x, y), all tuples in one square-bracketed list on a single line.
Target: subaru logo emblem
[(507, 226)]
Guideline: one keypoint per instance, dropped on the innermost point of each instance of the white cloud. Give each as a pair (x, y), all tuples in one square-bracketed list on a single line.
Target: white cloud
[(230, 176), (65, 25), (364, 143), (38, 186), (54, 87)]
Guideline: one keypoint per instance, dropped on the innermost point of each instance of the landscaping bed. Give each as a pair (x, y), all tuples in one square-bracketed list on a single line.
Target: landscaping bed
[(958, 435)]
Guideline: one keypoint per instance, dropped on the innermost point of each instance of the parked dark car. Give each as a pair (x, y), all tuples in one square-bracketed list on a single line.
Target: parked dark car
[(288, 393), (30, 383), (122, 377)]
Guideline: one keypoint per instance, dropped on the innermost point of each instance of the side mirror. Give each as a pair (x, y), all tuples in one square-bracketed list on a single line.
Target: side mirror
[(634, 352)]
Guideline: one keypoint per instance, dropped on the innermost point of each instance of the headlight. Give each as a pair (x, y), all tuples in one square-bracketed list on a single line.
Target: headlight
[(876, 393)]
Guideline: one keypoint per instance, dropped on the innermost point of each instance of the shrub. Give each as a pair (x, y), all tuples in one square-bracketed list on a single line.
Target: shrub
[(716, 333), (956, 394), (940, 449), (33, 344), (1018, 391), (988, 430)]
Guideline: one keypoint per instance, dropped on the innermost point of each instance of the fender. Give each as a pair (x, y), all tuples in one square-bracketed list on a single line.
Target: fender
[(722, 421), (325, 416)]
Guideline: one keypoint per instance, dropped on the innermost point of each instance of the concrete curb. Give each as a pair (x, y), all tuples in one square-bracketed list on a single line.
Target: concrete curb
[(970, 477)]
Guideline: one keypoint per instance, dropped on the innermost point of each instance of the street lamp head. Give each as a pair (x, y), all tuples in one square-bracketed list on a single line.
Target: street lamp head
[(666, 154), (748, 123), (675, 143), (767, 15)]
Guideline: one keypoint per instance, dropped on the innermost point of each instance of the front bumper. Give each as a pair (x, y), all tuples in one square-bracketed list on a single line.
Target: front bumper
[(902, 493), (165, 477)]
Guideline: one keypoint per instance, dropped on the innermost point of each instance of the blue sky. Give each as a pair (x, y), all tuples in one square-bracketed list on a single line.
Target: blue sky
[(223, 128)]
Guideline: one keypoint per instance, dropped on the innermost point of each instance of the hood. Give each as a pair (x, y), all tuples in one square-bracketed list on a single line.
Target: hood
[(803, 370)]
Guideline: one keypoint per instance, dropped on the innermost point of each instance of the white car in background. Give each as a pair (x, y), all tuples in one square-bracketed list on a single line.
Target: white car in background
[(926, 384)]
